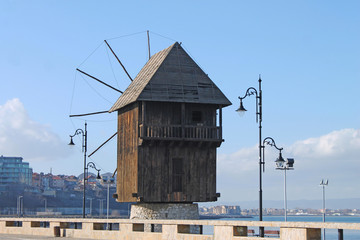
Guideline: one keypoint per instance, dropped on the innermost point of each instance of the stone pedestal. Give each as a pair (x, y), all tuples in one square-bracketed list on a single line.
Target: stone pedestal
[(181, 211)]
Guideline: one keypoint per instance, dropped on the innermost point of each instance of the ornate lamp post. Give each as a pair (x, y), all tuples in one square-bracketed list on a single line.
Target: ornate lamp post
[(241, 110), (84, 149), (281, 164)]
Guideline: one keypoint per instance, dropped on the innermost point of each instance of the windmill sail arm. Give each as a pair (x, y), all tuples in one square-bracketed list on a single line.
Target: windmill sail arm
[(114, 172), (87, 114), (102, 144), (118, 60), (98, 80)]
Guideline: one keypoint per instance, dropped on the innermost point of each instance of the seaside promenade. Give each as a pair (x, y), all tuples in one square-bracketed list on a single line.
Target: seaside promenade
[(126, 229), (30, 237)]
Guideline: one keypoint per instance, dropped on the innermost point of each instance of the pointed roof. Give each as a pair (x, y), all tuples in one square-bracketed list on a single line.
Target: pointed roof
[(171, 75)]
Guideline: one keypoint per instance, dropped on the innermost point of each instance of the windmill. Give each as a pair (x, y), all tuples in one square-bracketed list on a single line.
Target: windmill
[(169, 128)]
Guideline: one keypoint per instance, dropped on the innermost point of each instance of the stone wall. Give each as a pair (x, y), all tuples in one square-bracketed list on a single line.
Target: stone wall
[(181, 211), (178, 211)]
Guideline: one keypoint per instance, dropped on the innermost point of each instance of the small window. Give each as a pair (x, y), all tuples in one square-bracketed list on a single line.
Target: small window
[(196, 116)]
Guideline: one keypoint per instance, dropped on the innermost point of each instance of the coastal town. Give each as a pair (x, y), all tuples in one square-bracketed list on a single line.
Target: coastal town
[(236, 212), (61, 195)]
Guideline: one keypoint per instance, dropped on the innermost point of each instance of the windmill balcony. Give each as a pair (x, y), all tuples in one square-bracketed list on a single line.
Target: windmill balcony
[(179, 132)]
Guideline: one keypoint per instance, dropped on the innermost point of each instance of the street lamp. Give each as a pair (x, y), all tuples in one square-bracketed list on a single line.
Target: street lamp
[(281, 164), (285, 165), (84, 149), (92, 165), (324, 183), (241, 111)]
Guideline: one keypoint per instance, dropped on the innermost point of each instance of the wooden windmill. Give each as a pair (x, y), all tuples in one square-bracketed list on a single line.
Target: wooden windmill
[(169, 127)]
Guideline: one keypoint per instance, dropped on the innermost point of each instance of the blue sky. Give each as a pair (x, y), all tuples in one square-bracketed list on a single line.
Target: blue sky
[(307, 53)]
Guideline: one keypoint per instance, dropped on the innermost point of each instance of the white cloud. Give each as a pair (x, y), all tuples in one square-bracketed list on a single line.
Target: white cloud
[(335, 156), (21, 136), (333, 145)]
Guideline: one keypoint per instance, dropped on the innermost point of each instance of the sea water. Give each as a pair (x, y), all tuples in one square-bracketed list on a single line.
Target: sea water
[(330, 234)]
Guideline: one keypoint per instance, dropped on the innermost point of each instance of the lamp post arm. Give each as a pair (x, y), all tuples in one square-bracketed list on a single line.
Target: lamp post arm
[(77, 132), (271, 142), (252, 91), (92, 165), (84, 136)]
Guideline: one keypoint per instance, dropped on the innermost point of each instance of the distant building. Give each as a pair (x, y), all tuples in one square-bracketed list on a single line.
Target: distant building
[(58, 182), (14, 170), (221, 210)]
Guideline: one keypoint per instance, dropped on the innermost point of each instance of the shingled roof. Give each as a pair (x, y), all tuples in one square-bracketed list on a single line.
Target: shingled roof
[(171, 75)]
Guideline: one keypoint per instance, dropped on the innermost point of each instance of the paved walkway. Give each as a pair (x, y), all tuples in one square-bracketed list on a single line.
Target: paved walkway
[(30, 237)]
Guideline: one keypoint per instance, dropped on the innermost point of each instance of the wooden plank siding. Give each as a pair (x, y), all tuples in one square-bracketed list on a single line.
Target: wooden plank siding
[(156, 180), (146, 164), (127, 156)]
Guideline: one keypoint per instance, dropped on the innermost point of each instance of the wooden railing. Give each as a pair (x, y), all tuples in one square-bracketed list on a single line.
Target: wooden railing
[(188, 132)]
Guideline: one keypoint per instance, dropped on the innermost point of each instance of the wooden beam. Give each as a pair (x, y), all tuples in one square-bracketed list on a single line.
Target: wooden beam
[(102, 144), (98, 80), (220, 120), (148, 37), (183, 112), (86, 114), (118, 60), (143, 119)]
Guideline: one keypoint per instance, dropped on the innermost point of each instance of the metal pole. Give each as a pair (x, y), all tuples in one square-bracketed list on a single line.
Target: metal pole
[(84, 149), (285, 198), (340, 234), (324, 207), (18, 206), (107, 206), (261, 229), (21, 206)]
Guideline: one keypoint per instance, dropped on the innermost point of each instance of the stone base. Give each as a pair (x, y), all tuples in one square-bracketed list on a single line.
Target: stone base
[(180, 211)]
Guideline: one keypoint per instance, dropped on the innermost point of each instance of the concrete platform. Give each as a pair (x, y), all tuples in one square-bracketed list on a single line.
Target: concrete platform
[(30, 237)]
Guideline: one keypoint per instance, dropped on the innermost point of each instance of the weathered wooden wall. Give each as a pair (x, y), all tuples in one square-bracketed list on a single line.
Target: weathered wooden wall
[(127, 157), (146, 166), (163, 113), (156, 179)]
